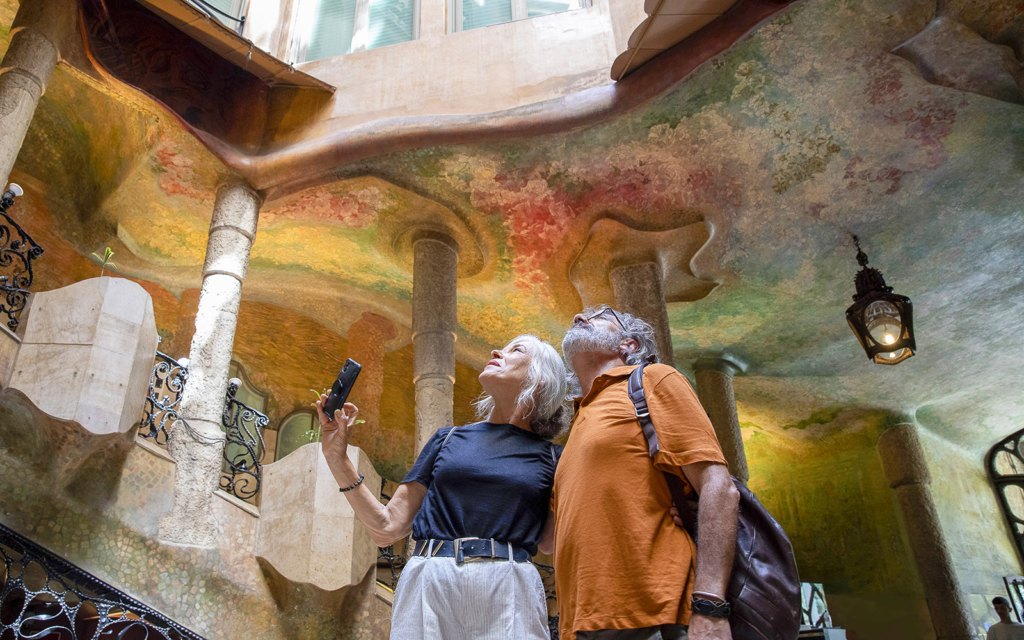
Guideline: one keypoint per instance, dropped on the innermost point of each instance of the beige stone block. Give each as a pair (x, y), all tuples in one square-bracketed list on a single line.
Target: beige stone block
[(308, 532), (87, 353), (9, 345)]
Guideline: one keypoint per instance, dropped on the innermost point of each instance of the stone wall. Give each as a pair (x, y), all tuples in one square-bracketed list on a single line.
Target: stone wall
[(831, 497), (979, 540)]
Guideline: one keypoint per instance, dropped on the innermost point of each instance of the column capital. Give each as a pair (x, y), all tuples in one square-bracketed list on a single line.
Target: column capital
[(725, 363), (432, 235)]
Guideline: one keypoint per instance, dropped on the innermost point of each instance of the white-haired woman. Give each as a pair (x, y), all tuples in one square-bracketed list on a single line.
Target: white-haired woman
[(477, 503)]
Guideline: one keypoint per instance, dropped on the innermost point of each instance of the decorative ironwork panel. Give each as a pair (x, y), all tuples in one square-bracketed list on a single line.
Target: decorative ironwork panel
[(165, 389), (1005, 465), (45, 596), (17, 251), (243, 447), (813, 609), (547, 575)]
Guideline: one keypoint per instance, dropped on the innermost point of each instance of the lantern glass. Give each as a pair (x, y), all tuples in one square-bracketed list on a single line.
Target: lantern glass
[(883, 322)]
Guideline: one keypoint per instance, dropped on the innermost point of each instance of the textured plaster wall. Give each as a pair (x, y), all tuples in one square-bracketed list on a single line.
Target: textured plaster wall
[(831, 497), (220, 593), (979, 540), (478, 71)]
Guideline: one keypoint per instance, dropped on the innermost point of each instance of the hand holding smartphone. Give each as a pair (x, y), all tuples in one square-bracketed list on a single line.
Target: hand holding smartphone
[(342, 387)]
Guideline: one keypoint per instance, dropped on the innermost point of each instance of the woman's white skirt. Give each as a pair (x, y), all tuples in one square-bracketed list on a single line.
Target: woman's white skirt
[(437, 599)]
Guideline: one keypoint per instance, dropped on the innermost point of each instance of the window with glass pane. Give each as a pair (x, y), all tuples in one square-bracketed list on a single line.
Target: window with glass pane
[(223, 10), (544, 7), (336, 27), (293, 433), (332, 29), (481, 13), (391, 22)]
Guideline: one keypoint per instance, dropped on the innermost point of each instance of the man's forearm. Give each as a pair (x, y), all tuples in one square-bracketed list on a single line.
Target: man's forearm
[(716, 533)]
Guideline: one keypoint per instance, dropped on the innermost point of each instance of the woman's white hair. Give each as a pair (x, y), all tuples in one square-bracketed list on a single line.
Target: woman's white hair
[(543, 397)]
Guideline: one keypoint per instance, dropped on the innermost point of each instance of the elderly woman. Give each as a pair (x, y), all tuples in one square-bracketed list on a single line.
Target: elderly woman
[(476, 502)]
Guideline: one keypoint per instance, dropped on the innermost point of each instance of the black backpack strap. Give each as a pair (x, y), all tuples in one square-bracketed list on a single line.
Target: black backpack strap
[(675, 483), (643, 414)]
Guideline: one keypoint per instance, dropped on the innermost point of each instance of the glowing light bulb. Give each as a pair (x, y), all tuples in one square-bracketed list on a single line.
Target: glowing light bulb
[(892, 355), (889, 339)]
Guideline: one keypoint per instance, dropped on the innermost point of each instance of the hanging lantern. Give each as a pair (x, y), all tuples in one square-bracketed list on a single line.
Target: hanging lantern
[(881, 320)]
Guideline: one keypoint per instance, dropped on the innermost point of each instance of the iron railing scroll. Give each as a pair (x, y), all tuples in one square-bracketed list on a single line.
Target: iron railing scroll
[(165, 389), (214, 12), (17, 251), (244, 448), (547, 575), (44, 596)]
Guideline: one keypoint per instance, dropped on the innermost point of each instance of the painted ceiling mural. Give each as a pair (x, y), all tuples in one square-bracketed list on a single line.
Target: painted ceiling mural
[(782, 146)]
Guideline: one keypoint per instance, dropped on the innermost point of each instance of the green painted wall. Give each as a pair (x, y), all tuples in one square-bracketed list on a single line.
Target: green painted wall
[(831, 497)]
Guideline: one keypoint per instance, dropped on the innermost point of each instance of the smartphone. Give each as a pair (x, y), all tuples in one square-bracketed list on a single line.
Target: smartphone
[(342, 386)]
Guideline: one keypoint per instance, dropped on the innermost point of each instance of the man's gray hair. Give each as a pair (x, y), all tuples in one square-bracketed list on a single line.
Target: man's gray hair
[(632, 328), (544, 395)]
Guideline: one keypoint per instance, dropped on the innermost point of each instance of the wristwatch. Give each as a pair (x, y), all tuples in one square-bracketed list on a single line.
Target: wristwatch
[(710, 608)]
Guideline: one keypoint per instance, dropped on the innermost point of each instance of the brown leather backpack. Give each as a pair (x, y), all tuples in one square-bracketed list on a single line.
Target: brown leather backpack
[(764, 587)]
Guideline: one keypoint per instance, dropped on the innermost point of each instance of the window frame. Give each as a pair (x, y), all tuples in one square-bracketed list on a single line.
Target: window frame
[(1000, 481), (298, 45), (519, 12)]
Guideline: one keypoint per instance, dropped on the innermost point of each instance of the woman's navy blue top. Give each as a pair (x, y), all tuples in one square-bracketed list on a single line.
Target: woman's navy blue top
[(488, 481)]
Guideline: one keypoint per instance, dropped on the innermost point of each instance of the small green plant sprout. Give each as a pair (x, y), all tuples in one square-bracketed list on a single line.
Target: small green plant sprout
[(314, 434), (105, 262)]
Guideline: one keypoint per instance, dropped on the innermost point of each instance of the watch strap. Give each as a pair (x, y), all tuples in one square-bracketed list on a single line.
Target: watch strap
[(710, 608)]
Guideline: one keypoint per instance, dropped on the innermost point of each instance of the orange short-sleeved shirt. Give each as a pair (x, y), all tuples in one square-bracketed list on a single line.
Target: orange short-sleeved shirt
[(620, 561)]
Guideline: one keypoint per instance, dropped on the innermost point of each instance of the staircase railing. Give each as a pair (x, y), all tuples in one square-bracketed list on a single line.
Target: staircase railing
[(44, 595)]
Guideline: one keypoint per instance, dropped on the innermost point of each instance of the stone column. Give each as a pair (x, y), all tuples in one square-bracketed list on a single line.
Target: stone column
[(638, 291), (198, 450), (434, 321), (36, 35), (366, 339), (714, 389), (907, 473)]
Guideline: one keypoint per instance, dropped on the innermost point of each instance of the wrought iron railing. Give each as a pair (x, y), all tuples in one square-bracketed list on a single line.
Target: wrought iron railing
[(214, 12), (813, 608), (165, 388), (547, 574), (243, 448), (17, 251), (45, 596)]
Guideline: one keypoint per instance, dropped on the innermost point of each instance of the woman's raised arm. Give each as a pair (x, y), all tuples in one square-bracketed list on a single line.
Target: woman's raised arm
[(387, 523)]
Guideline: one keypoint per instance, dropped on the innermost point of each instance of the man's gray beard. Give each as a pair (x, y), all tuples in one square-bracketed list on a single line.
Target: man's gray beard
[(586, 339)]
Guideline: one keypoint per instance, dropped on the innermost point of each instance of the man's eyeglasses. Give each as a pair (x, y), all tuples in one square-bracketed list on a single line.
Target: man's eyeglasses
[(604, 310)]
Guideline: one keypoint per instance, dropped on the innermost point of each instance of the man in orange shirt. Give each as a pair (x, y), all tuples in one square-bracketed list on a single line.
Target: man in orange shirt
[(623, 569)]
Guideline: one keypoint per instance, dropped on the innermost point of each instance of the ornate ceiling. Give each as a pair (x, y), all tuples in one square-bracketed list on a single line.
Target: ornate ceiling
[(744, 181)]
